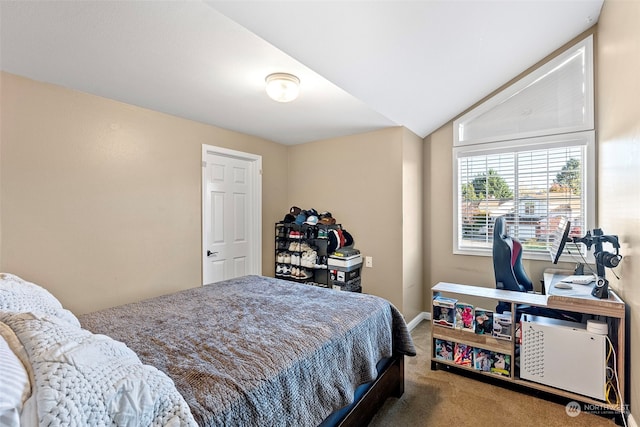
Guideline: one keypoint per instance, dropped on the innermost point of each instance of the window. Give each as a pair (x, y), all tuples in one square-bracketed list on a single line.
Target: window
[(529, 208), (528, 154), (531, 183)]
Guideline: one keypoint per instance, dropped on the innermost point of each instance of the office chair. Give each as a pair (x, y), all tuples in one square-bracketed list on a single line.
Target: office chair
[(507, 260), (510, 275)]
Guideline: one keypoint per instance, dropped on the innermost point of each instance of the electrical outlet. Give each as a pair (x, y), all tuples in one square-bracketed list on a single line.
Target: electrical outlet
[(368, 261)]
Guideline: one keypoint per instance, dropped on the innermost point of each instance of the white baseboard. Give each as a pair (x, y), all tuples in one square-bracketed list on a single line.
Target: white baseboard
[(419, 318)]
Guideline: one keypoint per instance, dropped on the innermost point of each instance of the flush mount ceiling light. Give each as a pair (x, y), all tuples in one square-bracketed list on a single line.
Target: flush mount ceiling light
[(282, 87)]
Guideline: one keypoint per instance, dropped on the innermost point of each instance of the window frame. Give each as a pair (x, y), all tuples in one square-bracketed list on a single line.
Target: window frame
[(530, 79), (540, 138), (588, 168)]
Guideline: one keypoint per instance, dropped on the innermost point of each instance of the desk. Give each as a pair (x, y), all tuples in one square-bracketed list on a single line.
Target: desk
[(552, 277), (579, 301), (579, 298)]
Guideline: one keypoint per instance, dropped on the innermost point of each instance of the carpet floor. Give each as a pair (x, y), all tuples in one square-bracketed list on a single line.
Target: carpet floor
[(455, 398)]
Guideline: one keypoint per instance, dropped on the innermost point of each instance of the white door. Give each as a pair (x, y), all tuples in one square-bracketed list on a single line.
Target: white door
[(231, 214)]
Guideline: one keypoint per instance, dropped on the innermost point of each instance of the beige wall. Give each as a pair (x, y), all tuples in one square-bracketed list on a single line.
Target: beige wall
[(618, 117), (101, 201), (618, 123), (412, 224), (441, 264), (359, 180)]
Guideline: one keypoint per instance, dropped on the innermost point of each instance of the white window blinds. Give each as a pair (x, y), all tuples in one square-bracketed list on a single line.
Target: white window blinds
[(531, 184)]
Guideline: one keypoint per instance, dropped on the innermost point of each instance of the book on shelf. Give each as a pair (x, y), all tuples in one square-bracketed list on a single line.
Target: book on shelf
[(464, 317), (502, 326), (482, 359), (443, 312), (444, 349), (484, 321), (462, 354), (501, 364)]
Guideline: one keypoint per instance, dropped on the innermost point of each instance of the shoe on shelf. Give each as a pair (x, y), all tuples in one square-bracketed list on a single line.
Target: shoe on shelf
[(295, 259)]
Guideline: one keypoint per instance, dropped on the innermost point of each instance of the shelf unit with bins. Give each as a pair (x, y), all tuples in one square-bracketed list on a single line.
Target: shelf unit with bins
[(614, 309), (316, 238)]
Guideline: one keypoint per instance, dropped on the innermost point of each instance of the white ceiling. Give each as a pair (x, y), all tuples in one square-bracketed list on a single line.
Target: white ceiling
[(363, 65)]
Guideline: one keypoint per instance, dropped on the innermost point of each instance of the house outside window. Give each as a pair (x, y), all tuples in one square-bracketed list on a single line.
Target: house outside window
[(528, 154)]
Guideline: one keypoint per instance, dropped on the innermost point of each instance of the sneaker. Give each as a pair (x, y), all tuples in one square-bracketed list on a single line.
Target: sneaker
[(279, 270), (286, 271)]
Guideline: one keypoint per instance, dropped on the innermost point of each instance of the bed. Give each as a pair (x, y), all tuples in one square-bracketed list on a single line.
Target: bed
[(251, 351)]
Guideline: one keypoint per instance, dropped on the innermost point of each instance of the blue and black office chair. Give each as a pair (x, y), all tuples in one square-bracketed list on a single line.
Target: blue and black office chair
[(511, 275), (507, 260)]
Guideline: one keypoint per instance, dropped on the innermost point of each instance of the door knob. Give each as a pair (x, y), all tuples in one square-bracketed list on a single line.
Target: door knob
[(209, 253)]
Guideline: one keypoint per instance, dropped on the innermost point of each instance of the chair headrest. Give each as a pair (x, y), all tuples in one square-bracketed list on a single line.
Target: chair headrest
[(500, 229)]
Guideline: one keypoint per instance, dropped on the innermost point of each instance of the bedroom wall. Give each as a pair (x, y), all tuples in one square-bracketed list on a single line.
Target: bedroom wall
[(358, 179), (618, 122), (441, 264), (0, 175), (412, 224), (618, 117), (101, 201)]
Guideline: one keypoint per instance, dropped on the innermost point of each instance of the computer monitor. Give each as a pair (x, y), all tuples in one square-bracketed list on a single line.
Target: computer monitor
[(558, 238)]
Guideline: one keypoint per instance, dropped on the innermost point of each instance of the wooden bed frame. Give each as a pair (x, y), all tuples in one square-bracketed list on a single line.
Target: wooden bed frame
[(390, 383)]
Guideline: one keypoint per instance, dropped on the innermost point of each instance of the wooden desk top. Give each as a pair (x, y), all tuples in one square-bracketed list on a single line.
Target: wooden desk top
[(579, 298), (614, 306)]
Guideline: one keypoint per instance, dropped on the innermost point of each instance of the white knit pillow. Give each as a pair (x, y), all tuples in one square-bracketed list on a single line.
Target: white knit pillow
[(15, 386), (19, 296)]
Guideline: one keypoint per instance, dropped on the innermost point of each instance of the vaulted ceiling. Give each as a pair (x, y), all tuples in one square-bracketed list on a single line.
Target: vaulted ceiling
[(363, 65)]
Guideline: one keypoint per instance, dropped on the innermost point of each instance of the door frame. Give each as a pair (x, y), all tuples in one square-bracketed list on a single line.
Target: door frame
[(255, 204)]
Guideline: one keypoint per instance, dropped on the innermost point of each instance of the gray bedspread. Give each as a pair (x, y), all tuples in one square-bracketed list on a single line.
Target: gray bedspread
[(259, 351)]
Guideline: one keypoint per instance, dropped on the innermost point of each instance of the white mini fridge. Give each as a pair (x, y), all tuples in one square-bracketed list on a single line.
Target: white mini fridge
[(564, 355)]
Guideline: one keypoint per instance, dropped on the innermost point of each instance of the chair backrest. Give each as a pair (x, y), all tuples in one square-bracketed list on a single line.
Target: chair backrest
[(507, 260)]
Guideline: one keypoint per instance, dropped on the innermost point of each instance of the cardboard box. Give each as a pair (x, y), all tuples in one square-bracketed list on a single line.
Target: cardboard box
[(344, 276), (352, 262)]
